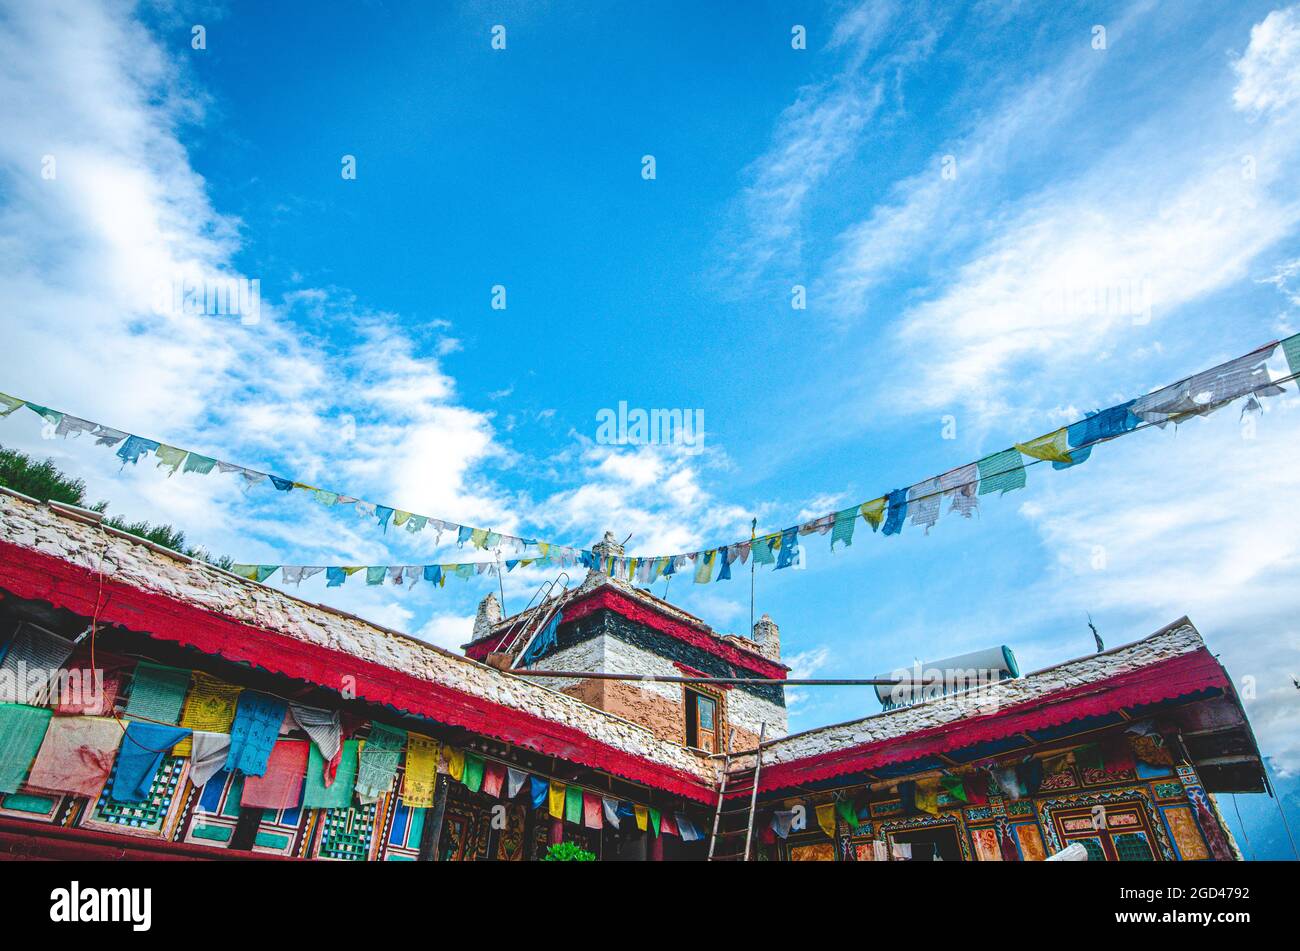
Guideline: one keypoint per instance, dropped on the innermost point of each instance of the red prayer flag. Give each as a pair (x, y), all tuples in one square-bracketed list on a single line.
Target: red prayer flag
[(494, 774), (280, 787), (592, 815)]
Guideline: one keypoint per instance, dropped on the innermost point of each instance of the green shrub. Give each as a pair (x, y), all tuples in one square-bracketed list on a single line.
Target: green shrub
[(568, 852)]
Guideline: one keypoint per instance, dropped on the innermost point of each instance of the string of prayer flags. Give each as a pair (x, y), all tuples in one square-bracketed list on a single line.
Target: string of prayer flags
[(76, 755), (280, 785), (421, 775), (1001, 472), (157, 693), (379, 760), (320, 792), (139, 757), (252, 735)]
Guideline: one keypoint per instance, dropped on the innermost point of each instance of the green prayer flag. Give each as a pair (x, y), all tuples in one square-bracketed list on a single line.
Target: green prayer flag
[(845, 521), (337, 795), (573, 804), (473, 775), (1001, 472), (1291, 347), (158, 693), (169, 457), (761, 550), (265, 571), (654, 820), (375, 574), (196, 463), (954, 786), (22, 728), (379, 758), (848, 813), (49, 415)]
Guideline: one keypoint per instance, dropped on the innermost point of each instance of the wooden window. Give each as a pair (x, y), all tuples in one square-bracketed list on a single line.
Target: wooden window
[(703, 718)]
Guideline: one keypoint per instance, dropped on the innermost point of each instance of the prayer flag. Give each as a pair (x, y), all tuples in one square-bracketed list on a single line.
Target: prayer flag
[(337, 794), (378, 763), (76, 755), (157, 693), (421, 774), (257, 726), (280, 785), (139, 757)]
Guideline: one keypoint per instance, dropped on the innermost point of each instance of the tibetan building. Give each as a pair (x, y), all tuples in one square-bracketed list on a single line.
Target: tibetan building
[(208, 716)]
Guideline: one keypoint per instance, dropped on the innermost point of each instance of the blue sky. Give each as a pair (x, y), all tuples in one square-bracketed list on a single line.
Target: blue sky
[(1158, 163)]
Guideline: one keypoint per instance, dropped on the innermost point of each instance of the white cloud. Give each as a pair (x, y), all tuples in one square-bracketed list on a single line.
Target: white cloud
[(1268, 73), (447, 631)]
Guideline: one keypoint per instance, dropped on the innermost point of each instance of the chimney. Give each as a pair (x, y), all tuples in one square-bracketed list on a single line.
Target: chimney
[(608, 547), (768, 637), (489, 614)]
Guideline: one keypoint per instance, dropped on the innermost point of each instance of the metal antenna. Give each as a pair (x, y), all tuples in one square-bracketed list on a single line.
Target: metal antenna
[(753, 526)]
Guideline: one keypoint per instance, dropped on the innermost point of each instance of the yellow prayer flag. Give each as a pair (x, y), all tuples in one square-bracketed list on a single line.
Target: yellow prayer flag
[(555, 800), (209, 706), (927, 796), (455, 762), (874, 512), (421, 776), (1051, 448), (642, 817), (826, 818)]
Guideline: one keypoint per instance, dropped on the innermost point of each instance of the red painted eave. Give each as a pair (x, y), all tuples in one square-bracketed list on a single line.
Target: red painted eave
[(37, 576), (1163, 680)]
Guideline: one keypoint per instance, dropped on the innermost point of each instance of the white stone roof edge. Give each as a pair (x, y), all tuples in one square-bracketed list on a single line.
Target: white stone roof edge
[(1180, 637), (71, 534)]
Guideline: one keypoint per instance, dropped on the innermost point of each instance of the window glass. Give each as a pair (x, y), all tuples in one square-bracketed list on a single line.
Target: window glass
[(706, 713)]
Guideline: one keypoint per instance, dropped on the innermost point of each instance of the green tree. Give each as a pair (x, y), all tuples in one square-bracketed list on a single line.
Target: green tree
[(40, 480), (45, 481)]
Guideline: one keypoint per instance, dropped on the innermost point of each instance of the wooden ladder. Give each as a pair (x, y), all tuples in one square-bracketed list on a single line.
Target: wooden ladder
[(727, 829)]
